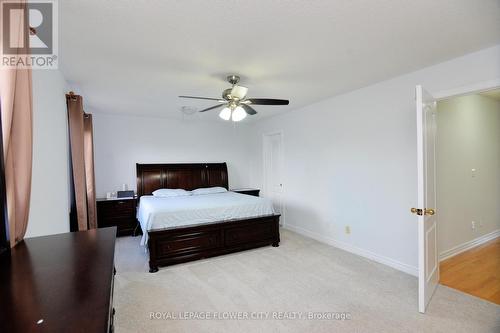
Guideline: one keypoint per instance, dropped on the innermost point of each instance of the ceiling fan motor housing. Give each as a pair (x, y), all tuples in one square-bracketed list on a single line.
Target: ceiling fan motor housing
[(233, 79)]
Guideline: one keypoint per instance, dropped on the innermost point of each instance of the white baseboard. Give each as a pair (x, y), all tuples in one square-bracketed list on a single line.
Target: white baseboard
[(356, 250), (468, 245)]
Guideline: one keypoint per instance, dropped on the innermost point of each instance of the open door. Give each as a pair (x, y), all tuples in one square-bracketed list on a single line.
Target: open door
[(428, 264)]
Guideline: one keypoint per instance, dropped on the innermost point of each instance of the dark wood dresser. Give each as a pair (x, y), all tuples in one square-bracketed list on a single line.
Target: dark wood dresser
[(119, 213), (249, 191), (59, 283)]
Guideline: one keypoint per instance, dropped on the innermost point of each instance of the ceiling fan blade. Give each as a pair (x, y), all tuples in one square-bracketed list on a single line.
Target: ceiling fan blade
[(248, 109), (268, 101), (196, 97), (212, 107)]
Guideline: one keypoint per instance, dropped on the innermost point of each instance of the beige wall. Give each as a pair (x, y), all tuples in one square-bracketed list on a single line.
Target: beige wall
[(468, 137)]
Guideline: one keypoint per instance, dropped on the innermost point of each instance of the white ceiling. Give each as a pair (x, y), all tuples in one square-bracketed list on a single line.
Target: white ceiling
[(136, 57)]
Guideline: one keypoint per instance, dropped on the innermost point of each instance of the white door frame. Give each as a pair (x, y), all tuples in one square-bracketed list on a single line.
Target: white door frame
[(264, 168), (467, 90)]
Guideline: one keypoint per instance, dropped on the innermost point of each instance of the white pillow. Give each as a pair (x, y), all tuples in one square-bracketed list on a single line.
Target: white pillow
[(171, 192), (208, 190)]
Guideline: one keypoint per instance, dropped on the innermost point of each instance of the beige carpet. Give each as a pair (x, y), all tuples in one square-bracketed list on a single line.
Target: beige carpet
[(302, 275)]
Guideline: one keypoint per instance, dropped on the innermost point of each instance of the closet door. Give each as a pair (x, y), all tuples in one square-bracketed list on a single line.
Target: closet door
[(273, 171)]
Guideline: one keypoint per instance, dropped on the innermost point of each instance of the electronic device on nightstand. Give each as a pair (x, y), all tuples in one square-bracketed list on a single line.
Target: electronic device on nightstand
[(125, 194), (249, 191)]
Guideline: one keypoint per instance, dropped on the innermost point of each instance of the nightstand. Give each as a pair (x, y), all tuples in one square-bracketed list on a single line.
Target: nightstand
[(117, 212), (250, 191)]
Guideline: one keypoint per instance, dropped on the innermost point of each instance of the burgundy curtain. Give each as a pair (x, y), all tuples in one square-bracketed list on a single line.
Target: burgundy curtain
[(17, 125), (82, 161)]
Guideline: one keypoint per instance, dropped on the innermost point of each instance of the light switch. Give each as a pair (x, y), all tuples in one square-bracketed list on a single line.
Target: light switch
[(473, 173)]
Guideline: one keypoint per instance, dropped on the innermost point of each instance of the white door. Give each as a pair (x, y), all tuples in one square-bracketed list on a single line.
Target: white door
[(273, 171), (428, 264)]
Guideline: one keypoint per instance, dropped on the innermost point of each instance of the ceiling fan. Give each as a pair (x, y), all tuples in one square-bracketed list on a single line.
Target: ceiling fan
[(235, 102)]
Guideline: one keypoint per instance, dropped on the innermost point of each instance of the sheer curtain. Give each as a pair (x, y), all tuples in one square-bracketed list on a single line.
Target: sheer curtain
[(82, 162), (17, 125), (4, 228)]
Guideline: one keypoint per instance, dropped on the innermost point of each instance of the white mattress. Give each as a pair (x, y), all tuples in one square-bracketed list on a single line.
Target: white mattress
[(156, 213)]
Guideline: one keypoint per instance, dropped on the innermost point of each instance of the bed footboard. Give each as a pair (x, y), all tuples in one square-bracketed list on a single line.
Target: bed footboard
[(182, 244)]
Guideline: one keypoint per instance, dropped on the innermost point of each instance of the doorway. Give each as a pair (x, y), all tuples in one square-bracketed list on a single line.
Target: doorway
[(474, 145), (273, 171), (468, 193)]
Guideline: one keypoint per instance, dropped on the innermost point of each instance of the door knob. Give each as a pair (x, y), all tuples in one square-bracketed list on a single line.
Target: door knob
[(429, 211), (416, 211), (426, 211)]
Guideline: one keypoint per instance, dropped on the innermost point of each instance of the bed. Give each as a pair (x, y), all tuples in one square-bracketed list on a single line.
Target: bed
[(181, 229)]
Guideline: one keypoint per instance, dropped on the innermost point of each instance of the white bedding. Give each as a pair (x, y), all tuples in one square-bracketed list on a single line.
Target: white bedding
[(156, 213)]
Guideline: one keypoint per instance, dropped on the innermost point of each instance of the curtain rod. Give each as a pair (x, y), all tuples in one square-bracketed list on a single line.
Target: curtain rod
[(72, 96)]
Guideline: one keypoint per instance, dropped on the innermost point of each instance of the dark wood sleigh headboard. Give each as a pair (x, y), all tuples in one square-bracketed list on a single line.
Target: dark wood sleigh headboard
[(151, 177)]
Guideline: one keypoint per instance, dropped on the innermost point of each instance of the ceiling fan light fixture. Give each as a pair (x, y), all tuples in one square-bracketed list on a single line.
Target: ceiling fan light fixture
[(239, 114), (225, 113), (239, 92)]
